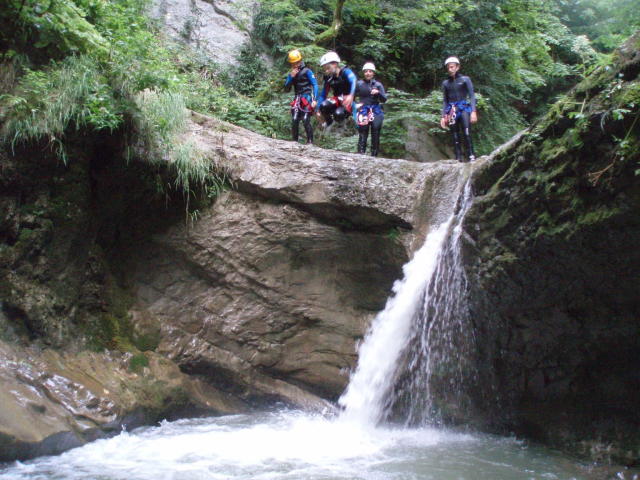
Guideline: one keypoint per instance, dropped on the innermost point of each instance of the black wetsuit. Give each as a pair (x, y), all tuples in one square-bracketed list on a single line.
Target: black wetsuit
[(306, 90), (370, 106), (458, 92)]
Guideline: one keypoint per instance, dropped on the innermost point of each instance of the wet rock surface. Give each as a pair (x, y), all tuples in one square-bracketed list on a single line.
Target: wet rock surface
[(52, 401), (262, 299)]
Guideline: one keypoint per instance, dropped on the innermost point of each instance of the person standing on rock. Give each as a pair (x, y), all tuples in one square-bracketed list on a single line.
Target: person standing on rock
[(306, 91), (369, 114), (458, 107), (341, 81)]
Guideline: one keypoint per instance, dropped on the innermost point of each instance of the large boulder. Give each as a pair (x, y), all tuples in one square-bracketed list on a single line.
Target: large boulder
[(269, 291)]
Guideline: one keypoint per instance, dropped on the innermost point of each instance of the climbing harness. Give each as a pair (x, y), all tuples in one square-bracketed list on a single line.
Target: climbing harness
[(367, 113), (300, 104), (452, 111)]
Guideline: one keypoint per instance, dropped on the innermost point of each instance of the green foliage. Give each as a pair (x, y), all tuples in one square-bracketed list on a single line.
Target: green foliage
[(606, 22), (248, 71), (129, 74), (46, 102), (147, 341), (282, 24), (109, 58), (403, 107), (162, 115), (161, 122), (60, 27)]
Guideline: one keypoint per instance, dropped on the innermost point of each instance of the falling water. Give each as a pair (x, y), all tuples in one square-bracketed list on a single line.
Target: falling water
[(416, 347)]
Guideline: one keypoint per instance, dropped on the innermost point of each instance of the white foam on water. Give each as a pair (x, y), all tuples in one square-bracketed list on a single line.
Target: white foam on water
[(275, 446)]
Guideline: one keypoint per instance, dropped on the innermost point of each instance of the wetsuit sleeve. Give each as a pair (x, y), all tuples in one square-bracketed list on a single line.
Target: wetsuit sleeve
[(314, 83), (358, 93), (323, 94), (472, 95), (445, 99), (352, 81), (382, 96), (288, 82)]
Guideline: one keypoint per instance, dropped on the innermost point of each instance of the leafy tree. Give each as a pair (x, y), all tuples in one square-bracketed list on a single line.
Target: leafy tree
[(606, 22), (53, 27)]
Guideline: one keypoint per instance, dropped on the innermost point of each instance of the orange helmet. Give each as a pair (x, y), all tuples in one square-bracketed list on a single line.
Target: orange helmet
[(294, 56)]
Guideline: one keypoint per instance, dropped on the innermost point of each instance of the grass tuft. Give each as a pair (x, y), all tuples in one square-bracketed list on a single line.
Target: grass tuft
[(47, 102)]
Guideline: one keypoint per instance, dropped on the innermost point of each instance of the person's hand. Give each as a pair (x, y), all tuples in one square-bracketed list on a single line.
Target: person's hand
[(313, 104), (443, 123), (474, 117), (294, 71), (375, 91), (347, 101)]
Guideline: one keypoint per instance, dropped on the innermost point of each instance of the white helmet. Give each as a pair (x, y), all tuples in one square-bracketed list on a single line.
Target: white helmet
[(329, 57), (451, 60), (369, 66)]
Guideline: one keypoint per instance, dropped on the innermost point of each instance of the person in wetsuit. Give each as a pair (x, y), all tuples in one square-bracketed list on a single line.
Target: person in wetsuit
[(458, 108), (341, 81), (369, 115), (305, 88)]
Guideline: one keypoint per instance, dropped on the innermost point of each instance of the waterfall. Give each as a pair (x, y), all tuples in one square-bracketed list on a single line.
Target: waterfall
[(416, 355)]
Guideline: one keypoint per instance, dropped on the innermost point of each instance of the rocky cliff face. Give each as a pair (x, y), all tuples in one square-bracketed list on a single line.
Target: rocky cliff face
[(71, 367), (217, 27), (554, 264), (54, 400)]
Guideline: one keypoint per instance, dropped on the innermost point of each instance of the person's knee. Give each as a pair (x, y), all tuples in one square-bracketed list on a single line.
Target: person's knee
[(340, 114), (327, 107)]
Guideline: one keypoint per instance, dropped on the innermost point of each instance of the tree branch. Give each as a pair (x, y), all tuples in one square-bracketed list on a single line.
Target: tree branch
[(332, 32)]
